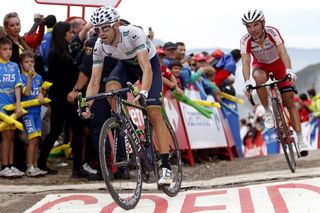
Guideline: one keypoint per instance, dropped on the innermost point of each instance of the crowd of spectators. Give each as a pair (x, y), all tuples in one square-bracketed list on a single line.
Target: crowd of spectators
[(61, 52), (308, 105)]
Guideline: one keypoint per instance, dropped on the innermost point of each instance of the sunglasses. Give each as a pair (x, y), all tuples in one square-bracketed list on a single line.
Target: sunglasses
[(193, 64), (103, 28)]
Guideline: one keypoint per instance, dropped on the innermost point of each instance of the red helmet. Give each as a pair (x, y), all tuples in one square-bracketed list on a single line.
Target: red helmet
[(160, 51), (199, 57)]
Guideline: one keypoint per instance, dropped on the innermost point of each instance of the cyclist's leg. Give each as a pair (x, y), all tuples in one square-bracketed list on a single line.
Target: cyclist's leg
[(287, 94), (156, 118), (116, 80), (260, 75), (287, 97)]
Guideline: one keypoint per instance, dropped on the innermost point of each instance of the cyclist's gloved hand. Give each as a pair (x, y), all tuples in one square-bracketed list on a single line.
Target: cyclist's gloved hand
[(247, 89), (291, 76), (86, 112), (143, 95)]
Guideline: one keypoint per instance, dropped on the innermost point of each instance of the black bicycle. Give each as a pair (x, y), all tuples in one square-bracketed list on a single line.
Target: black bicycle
[(282, 120), (128, 155)]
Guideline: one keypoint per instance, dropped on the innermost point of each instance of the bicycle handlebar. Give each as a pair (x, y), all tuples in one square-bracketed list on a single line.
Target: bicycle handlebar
[(82, 102), (249, 88)]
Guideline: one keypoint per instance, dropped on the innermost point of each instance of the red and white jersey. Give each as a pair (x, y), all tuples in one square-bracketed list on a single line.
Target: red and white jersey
[(266, 54)]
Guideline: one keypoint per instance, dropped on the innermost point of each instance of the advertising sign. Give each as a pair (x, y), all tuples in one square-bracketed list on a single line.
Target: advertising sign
[(202, 132)]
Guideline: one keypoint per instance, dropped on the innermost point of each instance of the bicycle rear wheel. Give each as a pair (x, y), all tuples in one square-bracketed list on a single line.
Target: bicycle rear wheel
[(174, 160), (125, 184), (284, 135)]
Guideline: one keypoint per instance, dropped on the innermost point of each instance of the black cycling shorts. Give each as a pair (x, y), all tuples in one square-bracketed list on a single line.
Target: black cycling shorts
[(125, 72)]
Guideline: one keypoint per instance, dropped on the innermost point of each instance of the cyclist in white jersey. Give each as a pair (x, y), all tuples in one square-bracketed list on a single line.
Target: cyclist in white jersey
[(137, 61), (269, 55)]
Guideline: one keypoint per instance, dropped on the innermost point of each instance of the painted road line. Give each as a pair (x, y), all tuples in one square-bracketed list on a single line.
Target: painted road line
[(216, 182), (290, 196)]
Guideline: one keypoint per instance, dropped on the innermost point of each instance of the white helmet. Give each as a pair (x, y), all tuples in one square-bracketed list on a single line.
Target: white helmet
[(252, 16), (104, 15)]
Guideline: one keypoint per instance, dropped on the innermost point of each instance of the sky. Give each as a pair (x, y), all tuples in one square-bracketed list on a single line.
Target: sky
[(201, 23)]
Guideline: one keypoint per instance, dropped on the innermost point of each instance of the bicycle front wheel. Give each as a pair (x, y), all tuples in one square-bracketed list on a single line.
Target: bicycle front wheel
[(175, 162), (120, 165), (284, 135)]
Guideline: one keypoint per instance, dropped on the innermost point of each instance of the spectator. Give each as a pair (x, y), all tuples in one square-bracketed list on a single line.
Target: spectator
[(35, 35), (12, 26), (315, 102), (50, 21), (76, 23), (10, 93), (32, 121), (63, 73), (190, 62), (170, 52), (227, 85), (180, 51), (304, 110), (11, 23), (171, 76), (80, 29), (225, 65), (100, 108)]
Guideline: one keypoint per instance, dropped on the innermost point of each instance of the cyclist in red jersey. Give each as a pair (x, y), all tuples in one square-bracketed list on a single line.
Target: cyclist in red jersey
[(269, 53)]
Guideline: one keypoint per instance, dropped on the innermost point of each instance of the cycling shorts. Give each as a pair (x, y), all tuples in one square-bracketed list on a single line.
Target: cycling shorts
[(125, 72), (32, 125), (277, 68)]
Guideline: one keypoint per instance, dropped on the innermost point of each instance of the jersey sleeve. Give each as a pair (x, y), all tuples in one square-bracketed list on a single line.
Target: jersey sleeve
[(245, 44), (274, 35), (98, 55), (138, 39)]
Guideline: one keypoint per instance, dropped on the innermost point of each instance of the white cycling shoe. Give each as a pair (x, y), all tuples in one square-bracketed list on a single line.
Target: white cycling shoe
[(303, 148), (166, 177)]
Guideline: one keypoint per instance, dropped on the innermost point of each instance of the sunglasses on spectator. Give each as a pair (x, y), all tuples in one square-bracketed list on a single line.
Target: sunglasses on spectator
[(193, 64), (103, 28)]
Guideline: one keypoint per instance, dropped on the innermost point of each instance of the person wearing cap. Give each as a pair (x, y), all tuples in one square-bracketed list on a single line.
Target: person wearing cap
[(170, 52), (225, 64)]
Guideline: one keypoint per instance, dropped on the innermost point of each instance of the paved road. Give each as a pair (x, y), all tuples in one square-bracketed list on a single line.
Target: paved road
[(276, 191)]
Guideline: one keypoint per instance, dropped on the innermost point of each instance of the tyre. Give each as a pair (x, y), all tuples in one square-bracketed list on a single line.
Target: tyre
[(175, 162), (120, 165), (284, 135)]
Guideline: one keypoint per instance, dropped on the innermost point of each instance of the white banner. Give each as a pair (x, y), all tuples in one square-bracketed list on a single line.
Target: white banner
[(202, 132), (80, 2)]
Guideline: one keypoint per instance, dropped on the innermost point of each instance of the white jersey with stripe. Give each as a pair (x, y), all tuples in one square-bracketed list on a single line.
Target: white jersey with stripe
[(266, 54), (132, 40)]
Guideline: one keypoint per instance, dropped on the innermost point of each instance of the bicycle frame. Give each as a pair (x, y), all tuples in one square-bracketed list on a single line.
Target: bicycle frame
[(128, 128), (284, 134), (274, 93)]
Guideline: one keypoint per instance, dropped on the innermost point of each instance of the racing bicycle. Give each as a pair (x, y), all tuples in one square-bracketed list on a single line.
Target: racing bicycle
[(284, 133), (129, 155)]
